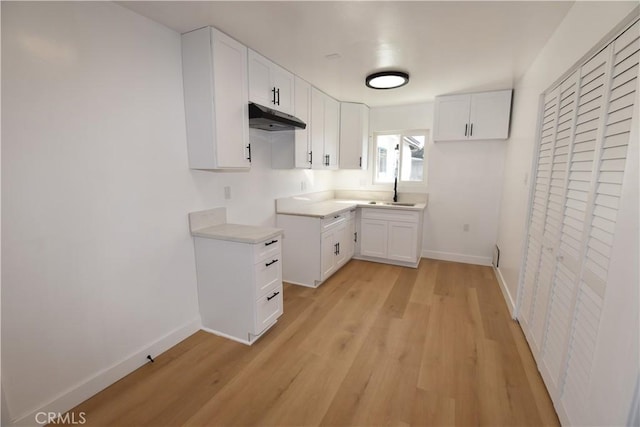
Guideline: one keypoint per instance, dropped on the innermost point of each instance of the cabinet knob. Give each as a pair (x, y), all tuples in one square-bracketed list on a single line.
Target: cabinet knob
[(466, 127), (270, 243), (270, 263), (471, 130)]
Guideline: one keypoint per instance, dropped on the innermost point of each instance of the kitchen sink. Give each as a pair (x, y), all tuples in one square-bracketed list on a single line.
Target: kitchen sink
[(392, 203)]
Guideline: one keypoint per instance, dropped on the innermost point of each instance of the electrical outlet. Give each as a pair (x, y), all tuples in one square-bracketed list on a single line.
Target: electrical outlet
[(465, 227), (303, 185), (227, 193)]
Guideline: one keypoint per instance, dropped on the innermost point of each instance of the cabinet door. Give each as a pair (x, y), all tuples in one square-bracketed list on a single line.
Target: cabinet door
[(331, 131), (230, 96), (214, 70), (343, 242), (451, 119), (350, 239), (303, 112), (402, 244), (260, 80), (489, 116), (317, 128), (373, 239), (354, 135), (284, 83), (328, 254)]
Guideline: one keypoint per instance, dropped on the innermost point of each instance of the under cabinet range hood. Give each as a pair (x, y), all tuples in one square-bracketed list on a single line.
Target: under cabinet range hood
[(265, 118)]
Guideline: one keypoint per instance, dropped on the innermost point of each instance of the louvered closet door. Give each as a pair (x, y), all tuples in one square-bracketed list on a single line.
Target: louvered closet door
[(568, 210), (535, 240), (585, 132), (608, 173)]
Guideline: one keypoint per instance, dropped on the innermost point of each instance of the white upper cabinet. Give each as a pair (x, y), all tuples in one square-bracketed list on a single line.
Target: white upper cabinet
[(270, 85), (474, 116), (354, 135), (325, 130), (302, 138), (214, 68)]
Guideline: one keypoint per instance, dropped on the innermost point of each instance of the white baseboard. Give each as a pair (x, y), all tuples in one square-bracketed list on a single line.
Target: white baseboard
[(505, 292), (450, 256), (101, 380)]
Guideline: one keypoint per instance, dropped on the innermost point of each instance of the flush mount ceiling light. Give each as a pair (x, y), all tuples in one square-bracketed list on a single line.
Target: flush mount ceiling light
[(387, 80)]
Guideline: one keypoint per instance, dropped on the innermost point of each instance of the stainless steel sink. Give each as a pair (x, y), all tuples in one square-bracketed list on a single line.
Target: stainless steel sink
[(392, 203)]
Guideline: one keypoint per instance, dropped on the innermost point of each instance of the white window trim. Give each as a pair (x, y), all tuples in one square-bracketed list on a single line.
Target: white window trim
[(410, 185)]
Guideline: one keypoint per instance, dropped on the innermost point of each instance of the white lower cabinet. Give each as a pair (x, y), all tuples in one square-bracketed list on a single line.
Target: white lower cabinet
[(315, 248), (393, 236), (239, 286)]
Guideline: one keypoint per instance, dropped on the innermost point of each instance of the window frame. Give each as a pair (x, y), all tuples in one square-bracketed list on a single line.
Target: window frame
[(402, 134)]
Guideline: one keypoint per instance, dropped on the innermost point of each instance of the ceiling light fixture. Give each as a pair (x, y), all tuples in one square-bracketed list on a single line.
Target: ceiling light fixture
[(387, 79)]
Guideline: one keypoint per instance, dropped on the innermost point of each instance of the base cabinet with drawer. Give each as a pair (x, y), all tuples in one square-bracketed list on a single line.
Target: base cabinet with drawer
[(392, 236), (239, 286), (315, 248)]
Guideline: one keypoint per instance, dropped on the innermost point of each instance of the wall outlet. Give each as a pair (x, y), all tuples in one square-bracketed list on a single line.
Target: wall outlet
[(465, 227), (303, 185), (227, 193)]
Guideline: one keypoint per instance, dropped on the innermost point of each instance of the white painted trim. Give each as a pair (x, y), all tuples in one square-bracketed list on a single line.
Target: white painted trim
[(450, 256), (505, 292), (387, 261), (104, 378), (236, 339), (227, 336), (306, 285)]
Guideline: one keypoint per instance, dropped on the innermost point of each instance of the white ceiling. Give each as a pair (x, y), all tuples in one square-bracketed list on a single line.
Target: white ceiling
[(446, 46)]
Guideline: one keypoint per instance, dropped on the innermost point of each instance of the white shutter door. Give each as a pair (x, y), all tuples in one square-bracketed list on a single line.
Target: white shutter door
[(616, 118), (562, 283), (538, 211)]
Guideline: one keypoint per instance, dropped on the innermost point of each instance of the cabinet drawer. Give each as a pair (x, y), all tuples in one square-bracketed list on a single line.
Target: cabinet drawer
[(331, 222), (391, 214), (268, 249), (268, 273), (268, 309)]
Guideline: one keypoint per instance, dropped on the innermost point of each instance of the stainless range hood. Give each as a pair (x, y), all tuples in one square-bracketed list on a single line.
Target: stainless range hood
[(261, 117)]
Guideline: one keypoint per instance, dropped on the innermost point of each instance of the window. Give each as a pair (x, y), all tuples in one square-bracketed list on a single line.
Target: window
[(400, 154)]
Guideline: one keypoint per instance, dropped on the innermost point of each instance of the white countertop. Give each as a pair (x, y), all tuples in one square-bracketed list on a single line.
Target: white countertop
[(212, 224), (333, 207), (238, 233)]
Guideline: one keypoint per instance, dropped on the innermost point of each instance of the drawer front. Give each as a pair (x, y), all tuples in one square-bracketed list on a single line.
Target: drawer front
[(268, 273), (267, 249), (331, 222), (391, 214), (268, 309)]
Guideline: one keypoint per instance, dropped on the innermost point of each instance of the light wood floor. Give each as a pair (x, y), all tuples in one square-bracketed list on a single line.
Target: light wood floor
[(376, 345)]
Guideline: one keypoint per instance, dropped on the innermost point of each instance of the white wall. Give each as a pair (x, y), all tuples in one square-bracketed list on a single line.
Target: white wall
[(464, 186), (584, 26), (98, 265)]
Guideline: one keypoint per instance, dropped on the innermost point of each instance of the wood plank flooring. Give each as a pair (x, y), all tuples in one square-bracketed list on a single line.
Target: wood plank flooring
[(376, 345)]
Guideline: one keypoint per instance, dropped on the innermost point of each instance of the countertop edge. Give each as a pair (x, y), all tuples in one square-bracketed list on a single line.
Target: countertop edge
[(302, 212), (210, 233)]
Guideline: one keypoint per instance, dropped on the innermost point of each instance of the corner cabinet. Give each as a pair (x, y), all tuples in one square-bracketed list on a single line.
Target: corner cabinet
[(475, 116), (390, 236), (354, 135), (325, 130), (214, 69), (269, 84), (239, 286), (315, 248)]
